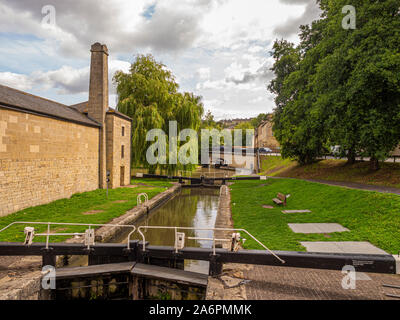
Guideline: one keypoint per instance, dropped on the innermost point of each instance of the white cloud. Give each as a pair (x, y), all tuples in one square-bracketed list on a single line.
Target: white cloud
[(291, 25), (14, 80), (204, 73), (216, 48), (66, 80), (256, 49), (256, 100)]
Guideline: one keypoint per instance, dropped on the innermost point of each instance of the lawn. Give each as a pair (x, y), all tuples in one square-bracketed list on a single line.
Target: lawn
[(76, 209), (335, 170), (369, 216)]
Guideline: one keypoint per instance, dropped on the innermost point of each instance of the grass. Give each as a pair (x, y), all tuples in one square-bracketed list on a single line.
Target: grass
[(334, 170), (272, 166), (370, 216), (72, 210)]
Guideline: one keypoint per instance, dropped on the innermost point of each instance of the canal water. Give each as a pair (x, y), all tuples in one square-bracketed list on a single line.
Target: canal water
[(192, 207)]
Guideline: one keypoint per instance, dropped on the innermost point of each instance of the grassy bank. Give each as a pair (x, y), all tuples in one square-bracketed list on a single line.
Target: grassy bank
[(334, 170), (88, 207), (369, 216)]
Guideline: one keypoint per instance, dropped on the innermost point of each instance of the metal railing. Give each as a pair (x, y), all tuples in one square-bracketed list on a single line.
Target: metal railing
[(213, 239), (139, 198), (48, 234), (177, 245)]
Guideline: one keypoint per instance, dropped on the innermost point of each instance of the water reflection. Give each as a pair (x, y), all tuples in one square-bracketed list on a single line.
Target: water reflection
[(190, 208)]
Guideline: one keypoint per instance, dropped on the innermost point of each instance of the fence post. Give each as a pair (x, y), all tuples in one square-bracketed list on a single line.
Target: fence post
[(48, 258), (215, 266)]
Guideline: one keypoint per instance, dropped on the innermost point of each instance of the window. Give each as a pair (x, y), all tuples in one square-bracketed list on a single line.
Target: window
[(122, 152), (123, 131)]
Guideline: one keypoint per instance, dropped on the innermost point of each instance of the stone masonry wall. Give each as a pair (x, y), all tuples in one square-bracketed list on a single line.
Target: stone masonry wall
[(43, 159), (115, 140), (266, 137)]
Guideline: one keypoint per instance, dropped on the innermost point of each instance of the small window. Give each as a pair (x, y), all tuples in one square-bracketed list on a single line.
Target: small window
[(123, 131), (122, 152)]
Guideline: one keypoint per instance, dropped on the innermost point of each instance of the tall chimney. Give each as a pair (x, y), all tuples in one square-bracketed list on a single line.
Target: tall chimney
[(98, 101)]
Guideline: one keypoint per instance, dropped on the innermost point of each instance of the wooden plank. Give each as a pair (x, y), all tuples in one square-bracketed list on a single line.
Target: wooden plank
[(281, 196), (89, 271), (296, 211), (169, 274)]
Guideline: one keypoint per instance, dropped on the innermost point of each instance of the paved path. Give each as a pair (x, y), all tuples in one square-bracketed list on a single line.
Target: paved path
[(282, 283), (351, 185)]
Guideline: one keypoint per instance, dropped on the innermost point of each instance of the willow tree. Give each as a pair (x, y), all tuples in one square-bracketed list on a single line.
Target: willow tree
[(148, 94)]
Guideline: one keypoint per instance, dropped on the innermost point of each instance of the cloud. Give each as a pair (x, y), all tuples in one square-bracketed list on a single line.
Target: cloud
[(66, 80), (203, 73), (256, 100), (239, 75), (121, 24), (258, 70), (291, 26), (15, 80), (216, 48)]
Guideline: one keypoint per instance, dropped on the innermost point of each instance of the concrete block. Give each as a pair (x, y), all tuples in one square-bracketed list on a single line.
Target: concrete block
[(317, 227)]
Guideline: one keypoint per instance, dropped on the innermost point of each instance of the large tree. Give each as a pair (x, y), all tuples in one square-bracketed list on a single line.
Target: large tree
[(148, 94), (358, 79), (344, 88)]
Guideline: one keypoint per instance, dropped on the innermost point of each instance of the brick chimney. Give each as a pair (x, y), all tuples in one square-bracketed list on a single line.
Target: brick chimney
[(98, 101)]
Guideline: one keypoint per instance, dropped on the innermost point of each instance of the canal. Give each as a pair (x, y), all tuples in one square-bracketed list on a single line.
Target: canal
[(192, 207)]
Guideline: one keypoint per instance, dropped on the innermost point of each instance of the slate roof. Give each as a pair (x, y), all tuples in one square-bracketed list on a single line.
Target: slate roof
[(82, 107), (14, 99)]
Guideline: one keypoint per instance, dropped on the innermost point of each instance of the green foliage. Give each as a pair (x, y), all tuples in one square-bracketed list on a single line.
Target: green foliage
[(209, 122), (244, 126), (340, 87), (370, 216), (149, 95), (257, 121)]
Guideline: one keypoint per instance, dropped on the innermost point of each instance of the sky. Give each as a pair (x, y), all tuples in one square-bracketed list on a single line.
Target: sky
[(218, 49)]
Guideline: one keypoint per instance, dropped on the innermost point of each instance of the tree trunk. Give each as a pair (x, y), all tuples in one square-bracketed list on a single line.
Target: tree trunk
[(351, 157), (374, 164)]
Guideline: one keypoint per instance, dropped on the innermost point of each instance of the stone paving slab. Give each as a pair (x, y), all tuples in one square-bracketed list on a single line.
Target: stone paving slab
[(267, 207), (296, 211), (317, 227), (361, 247)]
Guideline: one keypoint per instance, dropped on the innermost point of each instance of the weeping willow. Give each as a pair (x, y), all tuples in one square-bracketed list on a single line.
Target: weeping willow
[(148, 94)]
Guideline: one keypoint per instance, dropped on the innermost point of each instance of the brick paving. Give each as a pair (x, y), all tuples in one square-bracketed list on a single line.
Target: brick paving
[(281, 283)]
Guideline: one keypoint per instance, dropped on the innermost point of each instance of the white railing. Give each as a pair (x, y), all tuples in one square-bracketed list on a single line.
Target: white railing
[(89, 234), (213, 239), (88, 231), (139, 198)]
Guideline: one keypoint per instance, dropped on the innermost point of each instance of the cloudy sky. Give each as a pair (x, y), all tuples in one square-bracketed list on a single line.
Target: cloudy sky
[(218, 49)]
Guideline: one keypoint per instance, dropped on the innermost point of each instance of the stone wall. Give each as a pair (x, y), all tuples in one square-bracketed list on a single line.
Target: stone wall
[(42, 160), (115, 141), (265, 136)]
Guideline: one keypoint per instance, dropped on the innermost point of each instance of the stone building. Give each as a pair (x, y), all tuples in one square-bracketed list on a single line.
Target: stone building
[(50, 151), (264, 135)]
